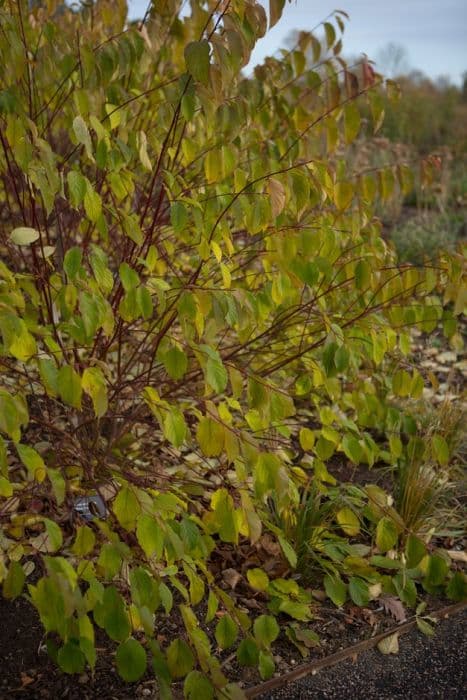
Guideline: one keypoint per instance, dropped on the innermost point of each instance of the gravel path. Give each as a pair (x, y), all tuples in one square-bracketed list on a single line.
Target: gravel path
[(423, 668)]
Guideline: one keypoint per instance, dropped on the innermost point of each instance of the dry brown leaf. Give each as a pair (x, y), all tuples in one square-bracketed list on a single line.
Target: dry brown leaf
[(231, 577), (394, 607), (277, 194), (457, 555)]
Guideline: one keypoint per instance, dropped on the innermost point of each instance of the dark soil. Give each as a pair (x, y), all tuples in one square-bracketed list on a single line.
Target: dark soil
[(28, 672)]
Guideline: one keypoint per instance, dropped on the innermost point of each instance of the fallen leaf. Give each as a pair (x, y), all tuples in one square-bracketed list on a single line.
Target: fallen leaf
[(374, 591), (394, 607), (231, 577), (456, 555), (389, 645), (25, 679), (370, 617)]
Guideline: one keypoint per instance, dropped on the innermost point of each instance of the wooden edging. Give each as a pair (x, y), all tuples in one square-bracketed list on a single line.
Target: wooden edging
[(315, 666)]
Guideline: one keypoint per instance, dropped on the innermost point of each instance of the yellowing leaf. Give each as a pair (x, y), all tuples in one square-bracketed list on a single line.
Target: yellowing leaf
[(93, 383), (351, 122), (276, 8), (348, 521), (69, 386), (82, 134), (389, 645), (257, 578), (343, 194), (127, 508), (226, 632), (24, 235), (307, 439), (174, 426), (32, 461), (386, 534)]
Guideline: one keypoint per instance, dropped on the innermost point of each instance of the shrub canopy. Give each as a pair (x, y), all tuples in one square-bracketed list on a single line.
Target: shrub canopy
[(189, 256)]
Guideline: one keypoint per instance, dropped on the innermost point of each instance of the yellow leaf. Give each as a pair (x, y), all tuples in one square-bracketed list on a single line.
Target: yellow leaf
[(348, 521), (389, 645)]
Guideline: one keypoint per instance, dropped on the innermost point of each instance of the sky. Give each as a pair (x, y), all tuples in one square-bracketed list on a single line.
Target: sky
[(433, 32)]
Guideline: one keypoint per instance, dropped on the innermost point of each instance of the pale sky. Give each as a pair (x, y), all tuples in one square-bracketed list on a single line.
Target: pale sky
[(433, 32)]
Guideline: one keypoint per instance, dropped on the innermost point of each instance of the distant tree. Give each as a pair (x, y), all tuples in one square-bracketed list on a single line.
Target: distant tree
[(393, 60)]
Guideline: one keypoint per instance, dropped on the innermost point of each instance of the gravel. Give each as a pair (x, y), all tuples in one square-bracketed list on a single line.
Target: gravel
[(424, 668)]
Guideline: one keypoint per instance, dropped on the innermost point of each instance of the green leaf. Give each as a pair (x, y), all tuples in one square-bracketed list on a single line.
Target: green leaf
[(76, 187), (131, 660), (72, 262), (406, 589), (266, 665), (6, 488), (129, 277), (166, 597), (180, 659), (335, 589), (110, 560), (197, 687), (436, 570), (266, 630), (84, 541), (215, 372), (150, 536), (175, 429), (70, 658), (248, 652), (425, 627), (226, 632), (178, 216), (288, 550), (348, 521), (69, 386), (351, 122), (386, 534), (58, 484), (352, 448), (440, 449), (358, 591), (112, 616), (175, 362), (457, 587), (14, 581), (197, 60), (127, 508), (54, 535)]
